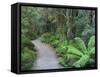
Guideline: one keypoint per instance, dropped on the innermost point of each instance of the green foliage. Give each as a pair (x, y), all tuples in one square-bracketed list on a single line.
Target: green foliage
[(26, 42), (49, 38), (91, 42), (84, 58), (46, 37), (67, 30), (82, 61), (27, 58), (71, 54), (92, 51), (55, 43), (28, 55), (28, 33), (62, 61), (61, 48), (31, 35), (80, 43), (74, 51)]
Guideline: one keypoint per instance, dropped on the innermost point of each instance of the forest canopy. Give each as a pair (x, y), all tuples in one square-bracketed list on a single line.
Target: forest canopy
[(65, 23)]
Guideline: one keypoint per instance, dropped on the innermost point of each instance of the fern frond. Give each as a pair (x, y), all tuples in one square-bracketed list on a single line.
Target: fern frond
[(80, 43), (82, 61), (92, 51), (74, 51), (91, 43)]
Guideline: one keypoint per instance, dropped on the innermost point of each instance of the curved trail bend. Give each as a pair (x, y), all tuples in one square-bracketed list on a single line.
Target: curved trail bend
[(46, 56)]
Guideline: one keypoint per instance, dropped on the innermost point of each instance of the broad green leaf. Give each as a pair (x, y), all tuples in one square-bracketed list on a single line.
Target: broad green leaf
[(81, 45), (92, 51), (72, 56), (91, 42), (82, 61), (73, 50)]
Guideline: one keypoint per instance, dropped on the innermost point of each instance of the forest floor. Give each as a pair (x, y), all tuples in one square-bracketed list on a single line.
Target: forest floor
[(46, 56)]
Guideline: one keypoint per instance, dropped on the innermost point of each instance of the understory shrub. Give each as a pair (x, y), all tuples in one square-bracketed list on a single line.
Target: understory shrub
[(26, 42), (84, 53), (47, 37), (87, 50), (28, 53), (31, 35), (50, 38), (28, 56), (72, 53), (61, 48)]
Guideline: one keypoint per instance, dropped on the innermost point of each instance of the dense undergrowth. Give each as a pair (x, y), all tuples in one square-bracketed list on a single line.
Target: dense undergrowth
[(28, 54), (72, 53)]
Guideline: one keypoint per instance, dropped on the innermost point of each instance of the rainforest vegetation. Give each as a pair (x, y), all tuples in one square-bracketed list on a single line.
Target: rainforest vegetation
[(71, 32)]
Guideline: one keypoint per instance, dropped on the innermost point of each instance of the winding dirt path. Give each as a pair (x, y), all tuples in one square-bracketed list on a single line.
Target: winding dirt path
[(46, 57)]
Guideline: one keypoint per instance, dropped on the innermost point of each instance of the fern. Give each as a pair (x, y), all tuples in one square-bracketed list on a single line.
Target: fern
[(92, 51), (28, 57), (84, 53), (74, 51), (72, 56), (80, 43), (82, 61), (91, 42)]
